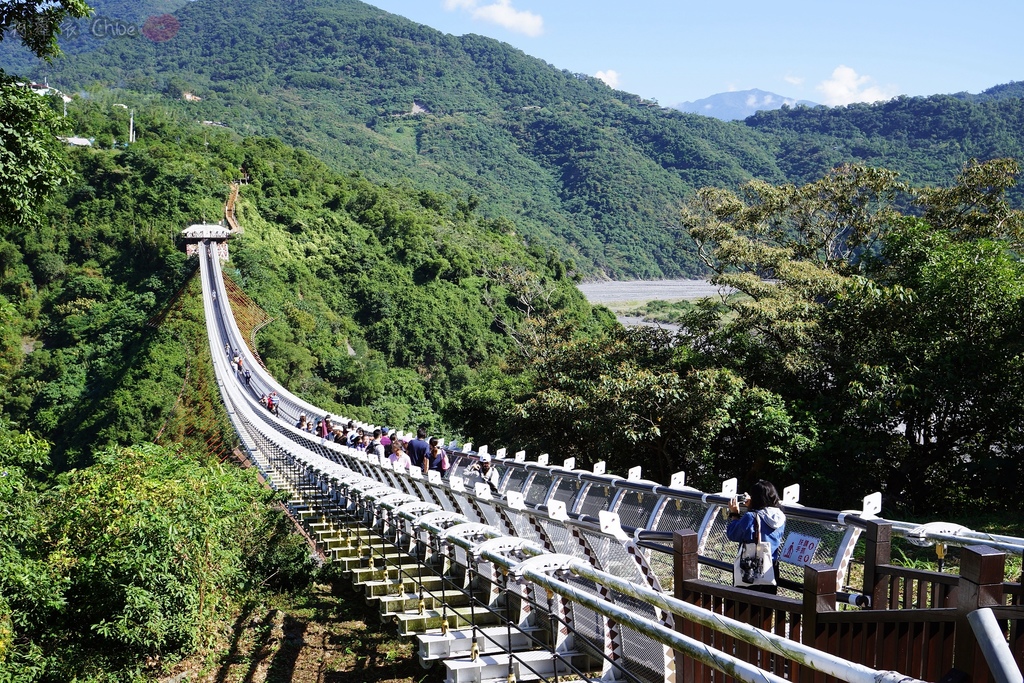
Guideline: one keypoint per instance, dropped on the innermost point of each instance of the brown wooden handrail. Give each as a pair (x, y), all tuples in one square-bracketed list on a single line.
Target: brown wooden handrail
[(889, 616), (918, 574), (742, 595)]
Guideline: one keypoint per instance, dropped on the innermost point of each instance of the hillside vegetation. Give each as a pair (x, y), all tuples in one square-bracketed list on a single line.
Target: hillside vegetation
[(598, 174), (383, 299)]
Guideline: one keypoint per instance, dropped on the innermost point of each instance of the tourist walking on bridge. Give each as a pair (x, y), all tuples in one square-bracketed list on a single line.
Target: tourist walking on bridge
[(438, 458), (483, 472), (398, 454), (419, 450)]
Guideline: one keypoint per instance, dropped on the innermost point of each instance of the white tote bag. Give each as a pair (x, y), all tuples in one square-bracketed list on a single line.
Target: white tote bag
[(753, 565)]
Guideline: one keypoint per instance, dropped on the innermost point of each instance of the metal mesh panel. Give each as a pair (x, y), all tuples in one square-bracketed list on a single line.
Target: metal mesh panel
[(588, 625), (524, 527), (516, 480), (635, 507), (391, 479), (465, 506), (563, 539), (459, 463), (538, 492), (595, 498), (492, 517), (405, 485), (662, 566), (645, 658), (566, 489), (828, 545), (427, 494), (586, 622), (613, 558), (501, 474)]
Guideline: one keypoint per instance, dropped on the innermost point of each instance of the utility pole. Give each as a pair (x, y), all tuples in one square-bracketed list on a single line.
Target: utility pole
[(131, 127)]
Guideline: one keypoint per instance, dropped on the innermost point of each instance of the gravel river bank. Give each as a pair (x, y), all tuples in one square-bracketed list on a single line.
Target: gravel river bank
[(642, 291)]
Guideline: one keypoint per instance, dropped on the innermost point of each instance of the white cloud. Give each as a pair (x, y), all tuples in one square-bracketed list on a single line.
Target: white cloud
[(502, 13), (847, 86), (792, 80), (610, 77)]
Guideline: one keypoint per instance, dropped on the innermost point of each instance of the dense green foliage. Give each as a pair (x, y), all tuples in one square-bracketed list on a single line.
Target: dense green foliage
[(900, 335), (136, 558), (869, 347), (598, 174), (384, 298), (31, 165), (924, 138)]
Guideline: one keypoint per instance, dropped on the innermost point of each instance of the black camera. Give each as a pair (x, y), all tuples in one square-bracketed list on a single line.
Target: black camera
[(750, 568)]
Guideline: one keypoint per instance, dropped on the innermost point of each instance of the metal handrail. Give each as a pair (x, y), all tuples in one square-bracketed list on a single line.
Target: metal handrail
[(308, 459)]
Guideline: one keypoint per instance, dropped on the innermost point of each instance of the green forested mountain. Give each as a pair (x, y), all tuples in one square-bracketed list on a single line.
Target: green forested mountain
[(596, 172), (572, 162), (927, 139), (118, 555), (384, 299)]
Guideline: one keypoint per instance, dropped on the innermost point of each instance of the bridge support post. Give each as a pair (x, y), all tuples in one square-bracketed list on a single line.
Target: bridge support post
[(684, 568), (819, 597), (877, 552), (981, 585)]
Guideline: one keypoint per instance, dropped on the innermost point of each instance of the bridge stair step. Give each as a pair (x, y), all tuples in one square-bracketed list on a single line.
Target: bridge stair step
[(389, 605), (361, 575), (412, 622), (490, 640), (360, 559), (531, 665), (406, 584)]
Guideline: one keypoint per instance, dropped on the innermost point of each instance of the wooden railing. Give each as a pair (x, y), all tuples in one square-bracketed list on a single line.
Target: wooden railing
[(899, 587), (917, 624)]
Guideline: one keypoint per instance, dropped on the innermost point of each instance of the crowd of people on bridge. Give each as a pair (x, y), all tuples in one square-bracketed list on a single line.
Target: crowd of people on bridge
[(420, 452), (409, 452)]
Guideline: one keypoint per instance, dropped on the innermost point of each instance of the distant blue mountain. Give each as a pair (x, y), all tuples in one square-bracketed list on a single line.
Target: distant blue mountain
[(739, 104)]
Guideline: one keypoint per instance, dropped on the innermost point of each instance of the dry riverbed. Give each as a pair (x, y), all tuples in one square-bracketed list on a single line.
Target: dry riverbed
[(626, 296)]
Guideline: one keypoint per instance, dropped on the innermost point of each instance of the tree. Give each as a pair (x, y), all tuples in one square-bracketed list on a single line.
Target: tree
[(38, 22), (901, 335), (32, 163), (32, 159), (28, 590), (635, 397)]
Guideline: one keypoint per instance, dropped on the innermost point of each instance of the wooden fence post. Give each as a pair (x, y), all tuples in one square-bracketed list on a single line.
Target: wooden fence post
[(684, 567), (981, 585), (819, 596), (877, 552)]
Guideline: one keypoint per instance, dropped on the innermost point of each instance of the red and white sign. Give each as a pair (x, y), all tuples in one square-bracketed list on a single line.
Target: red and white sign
[(799, 549)]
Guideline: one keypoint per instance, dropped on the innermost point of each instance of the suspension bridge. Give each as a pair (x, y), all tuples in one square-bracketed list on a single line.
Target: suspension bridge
[(565, 574)]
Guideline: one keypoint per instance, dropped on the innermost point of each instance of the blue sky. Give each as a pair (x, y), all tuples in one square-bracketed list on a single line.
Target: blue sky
[(828, 52)]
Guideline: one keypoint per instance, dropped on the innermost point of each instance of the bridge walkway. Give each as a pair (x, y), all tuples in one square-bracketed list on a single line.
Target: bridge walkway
[(593, 576)]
